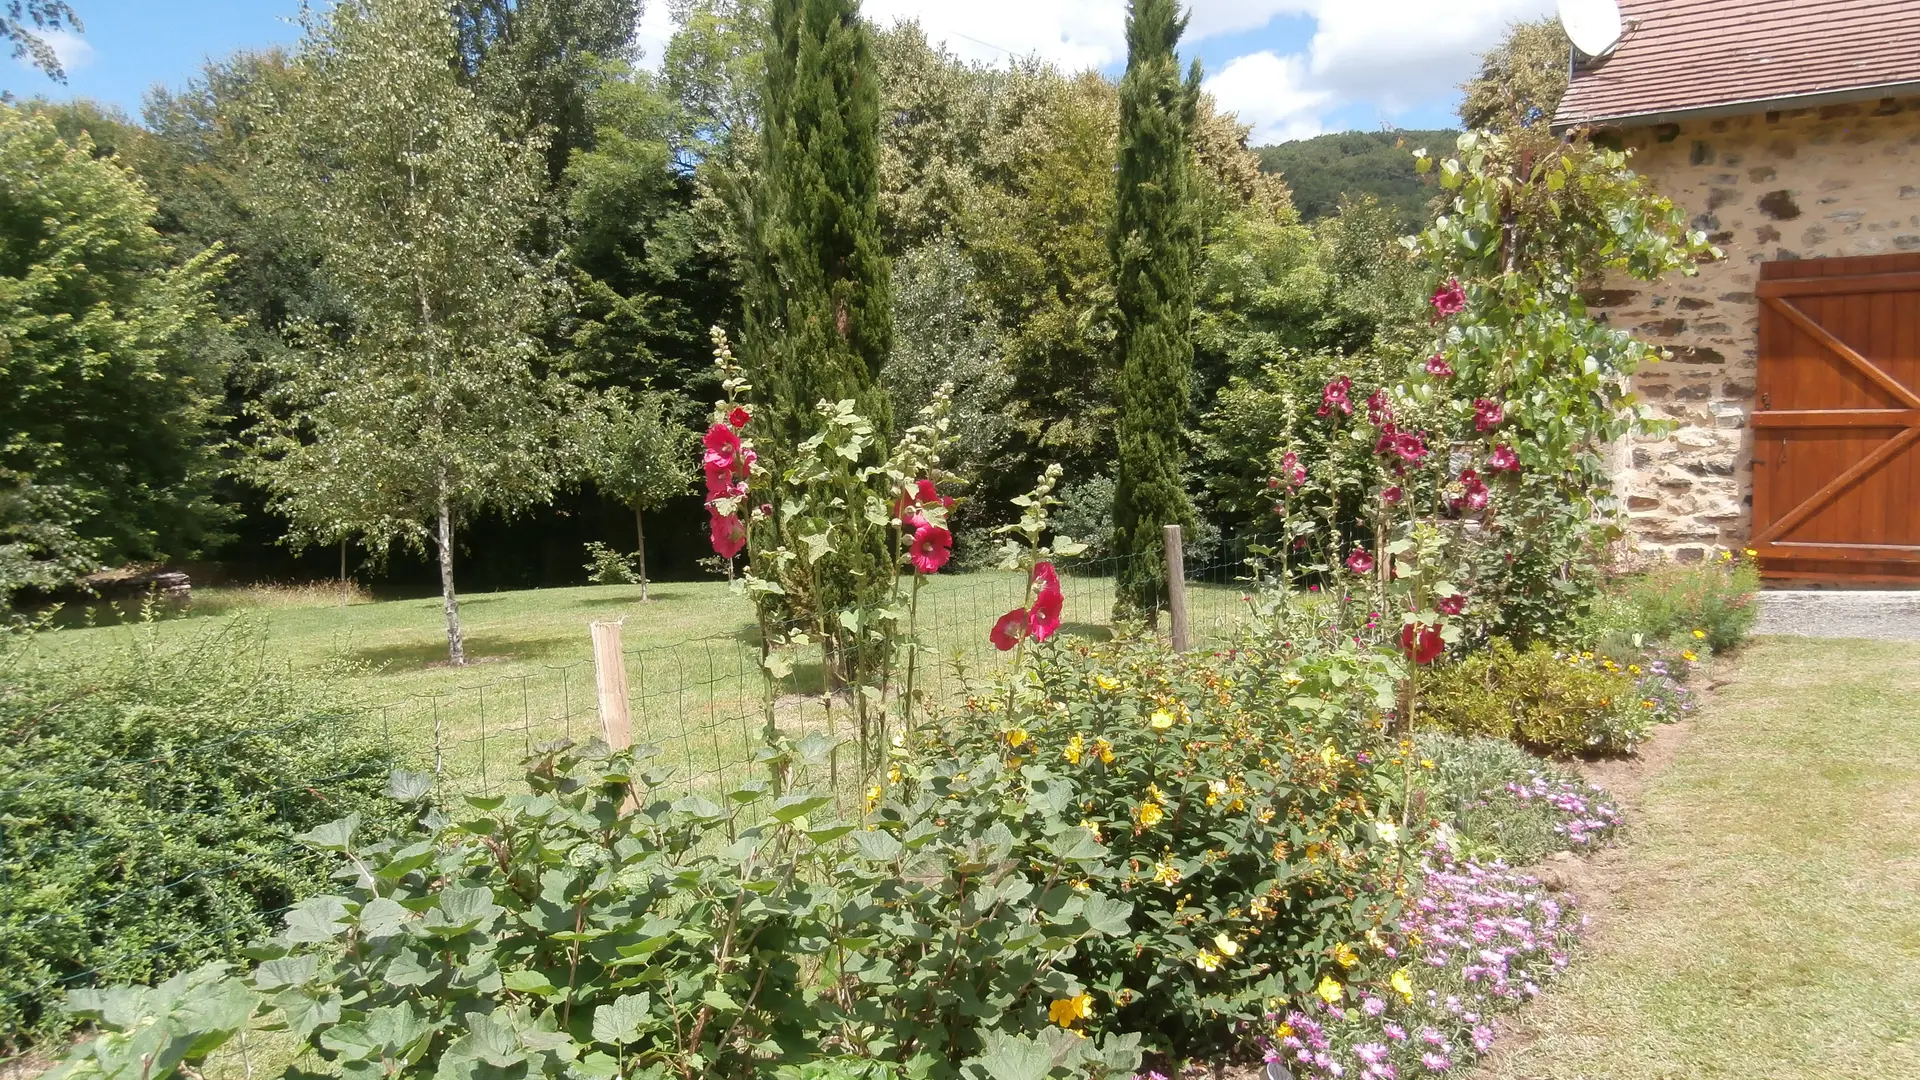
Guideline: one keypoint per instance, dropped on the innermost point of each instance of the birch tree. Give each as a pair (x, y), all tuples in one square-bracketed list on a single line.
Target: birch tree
[(433, 405)]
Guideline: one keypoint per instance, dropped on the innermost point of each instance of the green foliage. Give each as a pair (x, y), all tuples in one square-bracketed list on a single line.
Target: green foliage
[(1521, 80), (1718, 598), (38, 546), (30, 46), (1325, 169), (105, 392), (1154, 245), (1546, 700), (1228, 798), (432, 405), (152, 788), (606, 566), (604, 923), (944, 335)]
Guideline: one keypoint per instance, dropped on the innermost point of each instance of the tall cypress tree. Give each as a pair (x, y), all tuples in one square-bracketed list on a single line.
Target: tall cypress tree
[(1155, 244), (818, 315), (818, 320)]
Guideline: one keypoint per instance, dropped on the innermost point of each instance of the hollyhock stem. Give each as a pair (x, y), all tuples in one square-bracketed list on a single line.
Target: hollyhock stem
[(913, 653)]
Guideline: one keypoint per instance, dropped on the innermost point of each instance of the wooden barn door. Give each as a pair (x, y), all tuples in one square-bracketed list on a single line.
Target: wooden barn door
[(1836, 419)]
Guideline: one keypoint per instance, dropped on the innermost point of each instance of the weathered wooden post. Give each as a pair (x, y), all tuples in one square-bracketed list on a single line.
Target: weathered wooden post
[(610, 679), (1176, 586)]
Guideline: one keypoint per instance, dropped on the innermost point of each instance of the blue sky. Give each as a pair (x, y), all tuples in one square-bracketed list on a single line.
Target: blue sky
[(1288, 67)]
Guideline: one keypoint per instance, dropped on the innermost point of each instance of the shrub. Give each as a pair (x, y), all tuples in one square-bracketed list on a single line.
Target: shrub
[(1711, 602), (152, 787), (1231, 793), (1554, 703), (1502, 803), (606, 566)]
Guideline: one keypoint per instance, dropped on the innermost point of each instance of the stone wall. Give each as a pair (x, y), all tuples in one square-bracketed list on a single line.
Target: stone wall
[(1801, 184)]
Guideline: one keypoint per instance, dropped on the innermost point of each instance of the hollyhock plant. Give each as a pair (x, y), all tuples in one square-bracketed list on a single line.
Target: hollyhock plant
[(1379, 409), (737, 419), (1503, 459), (1487, 415), (1449, 299), (1043, 620), (1009, 630), (1438, 367), (1392, 495), (1411, 447), (1473, 492), (1360, 562), (1451, 605), (722, 445), (1334, 398), (932, 546), (729, 535)]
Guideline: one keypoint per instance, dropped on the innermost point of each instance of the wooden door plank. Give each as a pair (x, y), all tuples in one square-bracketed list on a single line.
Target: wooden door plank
[(1836, 418), (1834, 286), (1838, 484), (1846, 352)]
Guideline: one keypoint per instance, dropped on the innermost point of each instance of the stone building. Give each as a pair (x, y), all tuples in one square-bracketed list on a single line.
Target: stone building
[(1790, 129)]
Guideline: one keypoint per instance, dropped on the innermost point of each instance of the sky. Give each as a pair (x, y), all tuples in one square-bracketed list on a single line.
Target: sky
[(1290, 68)]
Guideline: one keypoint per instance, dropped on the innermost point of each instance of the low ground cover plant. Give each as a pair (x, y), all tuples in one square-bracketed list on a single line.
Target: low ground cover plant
[(1705, 607), (1554, 702), (149, 796), (1502, 803)]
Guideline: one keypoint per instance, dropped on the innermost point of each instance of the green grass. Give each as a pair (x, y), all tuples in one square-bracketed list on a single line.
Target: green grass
[(1766, 921), (692, 663)]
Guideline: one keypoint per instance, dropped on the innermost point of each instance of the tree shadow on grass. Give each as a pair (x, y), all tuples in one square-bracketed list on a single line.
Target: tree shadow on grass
[(482, 649)]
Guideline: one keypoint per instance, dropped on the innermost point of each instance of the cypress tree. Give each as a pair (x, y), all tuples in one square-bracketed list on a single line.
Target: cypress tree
[(1155, 244), (819, 318)]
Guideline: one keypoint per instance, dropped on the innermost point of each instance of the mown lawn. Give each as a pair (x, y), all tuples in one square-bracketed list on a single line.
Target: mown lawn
[(1766, 919), (692, 662)]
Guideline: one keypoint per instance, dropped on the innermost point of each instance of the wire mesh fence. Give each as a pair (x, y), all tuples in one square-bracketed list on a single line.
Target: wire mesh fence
[(704, 705)]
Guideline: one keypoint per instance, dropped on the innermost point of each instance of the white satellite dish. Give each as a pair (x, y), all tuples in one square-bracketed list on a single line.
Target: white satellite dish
[(1593, 25)]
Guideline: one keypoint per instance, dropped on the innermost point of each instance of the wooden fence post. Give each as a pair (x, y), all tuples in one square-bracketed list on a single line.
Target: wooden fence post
[(610, 678), (1176, 586)]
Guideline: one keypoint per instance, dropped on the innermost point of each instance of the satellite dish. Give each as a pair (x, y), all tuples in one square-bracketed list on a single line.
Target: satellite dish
[(1593, 25)]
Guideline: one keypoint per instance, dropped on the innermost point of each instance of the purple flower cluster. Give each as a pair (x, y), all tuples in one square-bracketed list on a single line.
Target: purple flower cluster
[(1480, 940), (1663, 690), (1590, 819)]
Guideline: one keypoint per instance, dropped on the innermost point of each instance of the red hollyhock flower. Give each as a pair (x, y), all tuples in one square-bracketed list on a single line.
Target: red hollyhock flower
[(1487, 415), (1379, 409), (925, 490), (1044, 619), (1503, 459), (1360, 562), (931, 548), (1392, 496), (1421, 642), (1438, 367), (737, 419), (1452, 605), (1410, 446), (1333, 398), (1473, 492), (1449, 299), (729, 535), (1009, 630)]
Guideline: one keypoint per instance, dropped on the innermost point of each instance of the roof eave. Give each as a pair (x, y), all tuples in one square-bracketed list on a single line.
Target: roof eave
[(1742, 108)]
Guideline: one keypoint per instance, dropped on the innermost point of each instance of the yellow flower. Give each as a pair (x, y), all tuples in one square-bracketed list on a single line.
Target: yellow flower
[(1726, 556), (873, 796), (893, 774), (1689, 656), (1426, 763), (1330, 755), (1106, 683), (1017, 737), (1344, 955), (1149, 814), (1374, 939), (1751, 553), (1075, 747), (1161, 720), (1207, 960), (1633, 669), (1066, 1011), (1154, 793), (1699, 635), (1646, 703), (1081, 885), (1165, 874), (1216, 789), (1228, 947), (1402, 982), (1103, 750), (1330, 990), (1261, 907), (1264, 815), (1091, 826)]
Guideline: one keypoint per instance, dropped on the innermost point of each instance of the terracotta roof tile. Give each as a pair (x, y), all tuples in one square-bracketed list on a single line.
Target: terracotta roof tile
[(1685, 56)]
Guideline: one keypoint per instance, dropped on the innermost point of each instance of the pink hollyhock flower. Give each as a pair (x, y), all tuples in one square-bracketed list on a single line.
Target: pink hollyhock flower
[(1379, 409), (1392, 495), (1449, 299), (1009, 630), (719, 477), (1452, 605), (737, 419), (1333, 397), (931, 548), (1487, 415), (1384, 444), (1421, 642), (1503, 459), (1044, 619), (1296, 474), (1438, 367), (1410, 446), (1473, 491), (1360, 562), (925, 490), (729, 535), (722, 445)]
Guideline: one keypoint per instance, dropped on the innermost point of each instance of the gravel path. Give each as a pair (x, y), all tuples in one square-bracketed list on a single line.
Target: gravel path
[(1837, 613)]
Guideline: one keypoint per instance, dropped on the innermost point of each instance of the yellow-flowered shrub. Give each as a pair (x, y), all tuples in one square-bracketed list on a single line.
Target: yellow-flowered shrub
[(1555, 702)]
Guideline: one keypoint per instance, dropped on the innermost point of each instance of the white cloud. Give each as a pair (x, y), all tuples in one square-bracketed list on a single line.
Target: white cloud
[(1267, 90), (652, 33), (1398, 53), (74, 52), (1075, 34)]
